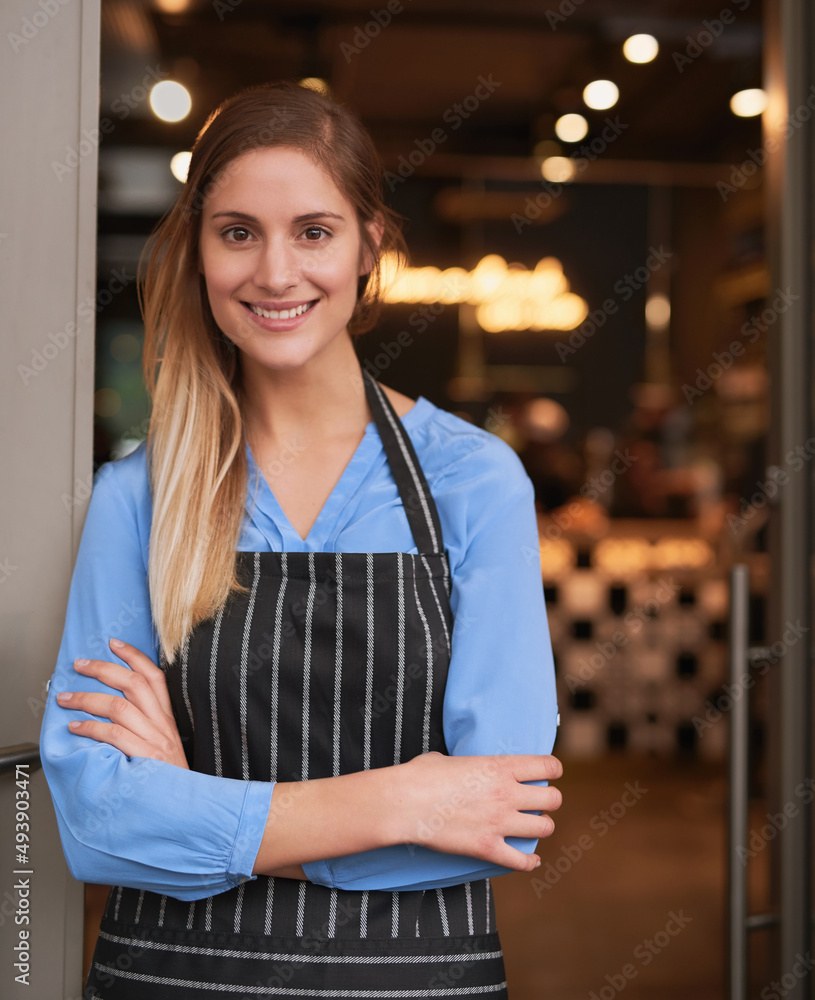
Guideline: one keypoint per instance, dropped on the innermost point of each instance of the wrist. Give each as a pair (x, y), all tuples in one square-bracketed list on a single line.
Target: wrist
[(393, 815)]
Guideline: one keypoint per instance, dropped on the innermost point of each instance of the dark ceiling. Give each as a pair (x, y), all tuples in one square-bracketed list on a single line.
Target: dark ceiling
[(675, 134), (402, 77)]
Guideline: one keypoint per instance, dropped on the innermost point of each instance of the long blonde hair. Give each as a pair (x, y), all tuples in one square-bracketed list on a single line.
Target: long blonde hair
[(195, 445)]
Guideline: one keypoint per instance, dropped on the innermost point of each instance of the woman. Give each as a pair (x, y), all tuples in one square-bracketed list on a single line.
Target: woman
[(349, 730)]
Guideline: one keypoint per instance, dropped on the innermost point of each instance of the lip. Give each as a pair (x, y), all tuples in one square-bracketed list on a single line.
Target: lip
[(280, 324), (277, 306)]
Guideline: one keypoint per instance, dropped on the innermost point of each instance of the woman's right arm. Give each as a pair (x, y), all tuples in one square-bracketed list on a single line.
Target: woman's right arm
[(130, 820)]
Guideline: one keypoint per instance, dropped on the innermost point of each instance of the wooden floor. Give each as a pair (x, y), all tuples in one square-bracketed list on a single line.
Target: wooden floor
[(630, 902), (638, 903)]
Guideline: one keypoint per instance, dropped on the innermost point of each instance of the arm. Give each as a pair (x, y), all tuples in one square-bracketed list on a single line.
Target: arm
[(120, 817), (500, 696), (209, 832)]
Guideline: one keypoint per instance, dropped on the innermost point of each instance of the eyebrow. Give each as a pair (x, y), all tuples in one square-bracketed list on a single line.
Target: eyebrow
[(307, 217)]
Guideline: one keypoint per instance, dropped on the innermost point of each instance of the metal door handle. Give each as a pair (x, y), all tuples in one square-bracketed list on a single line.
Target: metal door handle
[(742, 659), (21, 753)]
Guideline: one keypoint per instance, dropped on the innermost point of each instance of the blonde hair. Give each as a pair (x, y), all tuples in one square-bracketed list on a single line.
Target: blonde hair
[(196, 448)]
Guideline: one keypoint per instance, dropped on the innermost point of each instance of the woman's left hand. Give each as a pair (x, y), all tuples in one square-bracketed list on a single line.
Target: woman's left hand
[(141, 723)]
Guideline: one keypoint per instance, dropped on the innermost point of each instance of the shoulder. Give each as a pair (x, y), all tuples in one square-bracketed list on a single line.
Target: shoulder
[(127, 475), (121, 490), (456, 454)]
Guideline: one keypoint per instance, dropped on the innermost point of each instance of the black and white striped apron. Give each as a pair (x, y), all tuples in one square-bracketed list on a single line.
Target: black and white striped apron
[(332, 663)]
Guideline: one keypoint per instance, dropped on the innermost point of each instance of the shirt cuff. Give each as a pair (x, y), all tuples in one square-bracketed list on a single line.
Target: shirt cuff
[(320, 873), (251, 827)]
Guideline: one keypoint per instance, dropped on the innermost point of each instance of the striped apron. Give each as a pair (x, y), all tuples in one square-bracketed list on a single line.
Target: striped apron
[(331, 663)]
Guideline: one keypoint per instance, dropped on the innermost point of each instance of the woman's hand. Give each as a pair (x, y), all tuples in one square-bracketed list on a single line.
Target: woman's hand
[(467, 805), (141, 723)]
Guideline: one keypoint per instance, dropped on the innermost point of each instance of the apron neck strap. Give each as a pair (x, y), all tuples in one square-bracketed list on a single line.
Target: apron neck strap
[(417, 499)]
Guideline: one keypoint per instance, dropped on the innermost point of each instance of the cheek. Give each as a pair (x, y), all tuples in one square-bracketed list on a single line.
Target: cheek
[(335, 273), (222, 277)]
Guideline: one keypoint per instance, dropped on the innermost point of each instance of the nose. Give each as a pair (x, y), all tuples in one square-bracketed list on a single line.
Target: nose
[(277, 266)]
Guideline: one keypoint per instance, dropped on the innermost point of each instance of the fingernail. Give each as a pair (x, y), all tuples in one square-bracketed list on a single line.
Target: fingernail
[(64, 696), (117, 643), (538, 863), (74, 725), (82, 663)]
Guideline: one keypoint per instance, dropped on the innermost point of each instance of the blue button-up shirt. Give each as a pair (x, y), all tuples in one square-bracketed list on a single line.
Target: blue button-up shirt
[(148, 824)]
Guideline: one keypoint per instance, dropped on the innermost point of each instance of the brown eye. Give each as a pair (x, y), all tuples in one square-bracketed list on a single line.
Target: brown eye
[(237, 234)]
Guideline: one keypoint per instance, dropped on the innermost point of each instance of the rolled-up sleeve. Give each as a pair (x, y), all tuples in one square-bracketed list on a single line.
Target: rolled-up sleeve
[(500, 696), (123, 820)]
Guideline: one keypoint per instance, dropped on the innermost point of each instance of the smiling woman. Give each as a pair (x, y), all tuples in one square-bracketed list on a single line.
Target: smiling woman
[(281, 252), (332, 723)]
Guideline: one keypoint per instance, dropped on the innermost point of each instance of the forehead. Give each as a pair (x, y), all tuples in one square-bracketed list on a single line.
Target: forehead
[(279, 179)]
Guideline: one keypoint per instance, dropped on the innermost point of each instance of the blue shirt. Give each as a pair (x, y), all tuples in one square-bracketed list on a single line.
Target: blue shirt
[(151, 825)]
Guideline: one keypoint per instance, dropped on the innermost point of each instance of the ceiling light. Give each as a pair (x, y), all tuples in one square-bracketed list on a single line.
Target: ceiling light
[(179, 165), (558, 169), (601, 94), (170, 101), (571, 128), (747, 103), (640, 48), (658, 311)]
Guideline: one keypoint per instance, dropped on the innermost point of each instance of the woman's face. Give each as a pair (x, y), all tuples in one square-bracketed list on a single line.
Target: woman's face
[(281, 252)]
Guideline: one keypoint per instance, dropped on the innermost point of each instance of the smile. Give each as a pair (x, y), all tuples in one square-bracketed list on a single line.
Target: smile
[(281, 313)]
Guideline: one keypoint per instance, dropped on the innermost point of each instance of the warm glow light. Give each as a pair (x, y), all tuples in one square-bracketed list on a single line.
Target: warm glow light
[(179, 165), (507, 297), (640, 48), (681, 553), (544, 419), (571, 128), (626, 556), (658, 311), (601, 94), (622, 556), (170, 101), (748, 103), (557, 556), (558, 169), (315, 83)]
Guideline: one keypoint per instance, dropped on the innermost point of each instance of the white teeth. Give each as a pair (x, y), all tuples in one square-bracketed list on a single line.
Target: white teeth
[(282, 313)]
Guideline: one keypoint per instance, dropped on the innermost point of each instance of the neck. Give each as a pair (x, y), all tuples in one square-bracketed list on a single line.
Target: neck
[(322, 399)]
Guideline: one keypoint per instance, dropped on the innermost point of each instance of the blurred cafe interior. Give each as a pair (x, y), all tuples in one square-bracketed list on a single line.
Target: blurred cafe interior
[(609, 220)]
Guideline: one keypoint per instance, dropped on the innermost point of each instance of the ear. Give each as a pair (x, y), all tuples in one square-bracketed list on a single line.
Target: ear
[(376, 228)]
